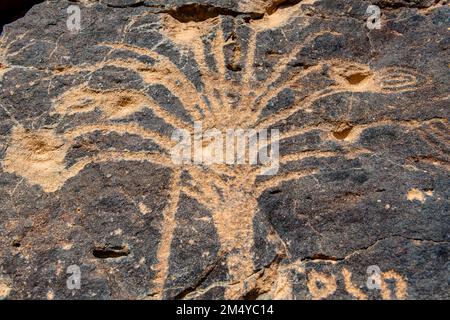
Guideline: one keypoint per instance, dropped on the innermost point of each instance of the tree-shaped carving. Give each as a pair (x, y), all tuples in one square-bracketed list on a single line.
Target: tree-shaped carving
[(229, 192)]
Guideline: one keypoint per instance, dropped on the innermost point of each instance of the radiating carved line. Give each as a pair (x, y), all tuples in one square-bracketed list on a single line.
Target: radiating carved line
[(307, 154), (283, 64), (165, 73), (117, 156), (275, 181), (219, 56), (168, 226), (286, 113), (83, 99), (130, 128), (249, 71)]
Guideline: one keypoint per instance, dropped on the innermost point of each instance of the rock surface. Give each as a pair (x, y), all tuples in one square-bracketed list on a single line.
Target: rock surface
[(86, 178)]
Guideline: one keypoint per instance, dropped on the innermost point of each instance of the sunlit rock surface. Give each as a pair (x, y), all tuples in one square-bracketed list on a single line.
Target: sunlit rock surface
[(87, 179)]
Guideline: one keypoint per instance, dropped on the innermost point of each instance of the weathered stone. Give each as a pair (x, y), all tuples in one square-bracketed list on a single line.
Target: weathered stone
[(86, 177)]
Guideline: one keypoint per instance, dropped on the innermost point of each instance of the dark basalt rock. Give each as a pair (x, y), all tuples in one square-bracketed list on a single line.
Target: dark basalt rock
[(86, 178)]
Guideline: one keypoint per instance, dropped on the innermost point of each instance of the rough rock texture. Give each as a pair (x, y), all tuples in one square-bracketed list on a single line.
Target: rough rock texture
[(85, 136)]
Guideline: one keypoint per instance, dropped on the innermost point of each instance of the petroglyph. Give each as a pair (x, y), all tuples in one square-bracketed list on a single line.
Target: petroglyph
[(220, 79), (39, 156)]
